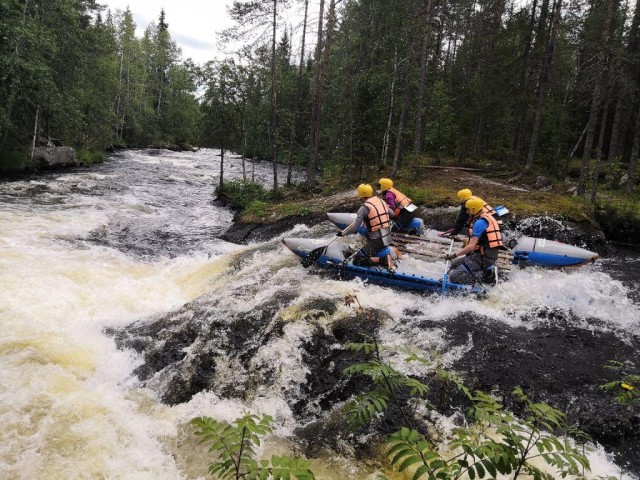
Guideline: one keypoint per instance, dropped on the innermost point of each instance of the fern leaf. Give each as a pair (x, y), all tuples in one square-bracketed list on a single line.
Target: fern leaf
[(407, 462)]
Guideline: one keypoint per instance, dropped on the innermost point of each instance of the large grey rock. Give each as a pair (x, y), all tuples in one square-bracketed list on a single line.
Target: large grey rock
[(54, 156)]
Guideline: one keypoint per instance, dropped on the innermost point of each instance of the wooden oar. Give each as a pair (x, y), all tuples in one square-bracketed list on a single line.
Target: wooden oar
[(504, 261), (415, 238)]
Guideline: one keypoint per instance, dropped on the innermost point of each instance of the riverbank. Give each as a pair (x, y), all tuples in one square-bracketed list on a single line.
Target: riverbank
[(554, 214)]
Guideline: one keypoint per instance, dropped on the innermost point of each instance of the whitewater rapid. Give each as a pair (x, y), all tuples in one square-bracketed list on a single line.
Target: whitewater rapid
[(135, 238)]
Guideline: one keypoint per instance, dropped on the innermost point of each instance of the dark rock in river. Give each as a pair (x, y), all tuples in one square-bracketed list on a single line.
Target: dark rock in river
[(246, 232), (559, 364), (579, 234)]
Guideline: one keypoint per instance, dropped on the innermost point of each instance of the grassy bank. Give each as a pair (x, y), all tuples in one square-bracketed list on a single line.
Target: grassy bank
[(431, 185)]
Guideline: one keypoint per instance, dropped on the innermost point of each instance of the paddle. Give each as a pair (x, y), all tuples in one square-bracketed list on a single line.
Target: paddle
[(350, 257), (446, 267), (316, 253)]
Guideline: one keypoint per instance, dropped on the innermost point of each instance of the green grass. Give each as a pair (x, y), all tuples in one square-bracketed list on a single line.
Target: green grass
[(433, 188), (89, 157)]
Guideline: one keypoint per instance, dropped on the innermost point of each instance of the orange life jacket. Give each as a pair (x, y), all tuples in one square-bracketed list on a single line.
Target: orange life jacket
[(401, 199), (492, 237), (378, 214)]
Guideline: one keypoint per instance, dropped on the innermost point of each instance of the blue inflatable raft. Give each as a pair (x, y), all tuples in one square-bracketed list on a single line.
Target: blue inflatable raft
[(404, 276)]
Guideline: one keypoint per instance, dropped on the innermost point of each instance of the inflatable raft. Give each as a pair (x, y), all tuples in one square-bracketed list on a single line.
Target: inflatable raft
[(404, 276), (527, 251)]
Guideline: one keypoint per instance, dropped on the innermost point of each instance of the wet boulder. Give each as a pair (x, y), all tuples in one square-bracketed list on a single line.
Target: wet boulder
[(582, 234), (53, 157), (558, 363)]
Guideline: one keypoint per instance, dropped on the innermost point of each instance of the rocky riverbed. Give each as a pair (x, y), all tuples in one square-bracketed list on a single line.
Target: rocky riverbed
[(557, 356)]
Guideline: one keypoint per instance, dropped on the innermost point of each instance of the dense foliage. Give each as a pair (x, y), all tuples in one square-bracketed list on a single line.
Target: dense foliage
[(378, 84), (531, 84), (71, 74)]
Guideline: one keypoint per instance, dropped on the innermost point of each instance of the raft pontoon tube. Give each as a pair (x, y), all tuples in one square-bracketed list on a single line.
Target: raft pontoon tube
[(527, 251), (404, 277)]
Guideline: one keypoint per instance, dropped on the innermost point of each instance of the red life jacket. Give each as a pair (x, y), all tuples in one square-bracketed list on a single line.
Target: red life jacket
[(401, 199), (492, 237), (378, 214)]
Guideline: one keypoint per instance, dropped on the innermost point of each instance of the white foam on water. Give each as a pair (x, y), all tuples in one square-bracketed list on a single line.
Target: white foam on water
[(68, 404), (64, 386)]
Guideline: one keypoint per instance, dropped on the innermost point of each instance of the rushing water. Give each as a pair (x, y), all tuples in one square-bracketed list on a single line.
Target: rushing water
[(135, 241)]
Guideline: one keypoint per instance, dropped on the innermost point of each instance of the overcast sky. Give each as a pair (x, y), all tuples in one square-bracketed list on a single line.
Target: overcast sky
[(193, 24)]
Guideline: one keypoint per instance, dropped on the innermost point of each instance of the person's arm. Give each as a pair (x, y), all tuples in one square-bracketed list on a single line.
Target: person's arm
[(363, 212), (469, 248), (461, 221), (479, 228), (390, 198)]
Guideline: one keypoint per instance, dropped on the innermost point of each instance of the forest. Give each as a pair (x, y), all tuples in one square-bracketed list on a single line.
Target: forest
[(535, 86)]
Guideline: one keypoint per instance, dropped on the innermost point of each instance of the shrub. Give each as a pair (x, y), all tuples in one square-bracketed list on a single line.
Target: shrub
[(256, 208), (234, 448), (89, 157), (243, 194), (12, 161)]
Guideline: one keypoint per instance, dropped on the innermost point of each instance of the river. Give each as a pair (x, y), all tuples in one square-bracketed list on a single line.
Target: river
[(105, 267)]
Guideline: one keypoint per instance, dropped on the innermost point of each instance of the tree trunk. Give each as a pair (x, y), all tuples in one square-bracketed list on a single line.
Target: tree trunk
[(596, 99), (617, 138), (596, 167), (435, 70), (314, 134), (296, 100), (535, 63), (322, 78), (244, 143), (573, 152), (397, 157), (273, 123), (562, 119), (36, 133), (118, 96), (387, 131), (221, 167), (479, 138), (542, 85), (521, 107), (424, 60), (633, 161)]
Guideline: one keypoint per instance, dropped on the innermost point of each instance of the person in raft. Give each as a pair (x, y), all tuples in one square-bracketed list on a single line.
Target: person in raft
[(376, 216), (402, 206), (463, 219), (485, 241)]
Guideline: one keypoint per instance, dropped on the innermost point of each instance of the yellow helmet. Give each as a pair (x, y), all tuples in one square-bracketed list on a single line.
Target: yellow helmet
[(464, 194), (365, 190), (385, 184), (474, 205)]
